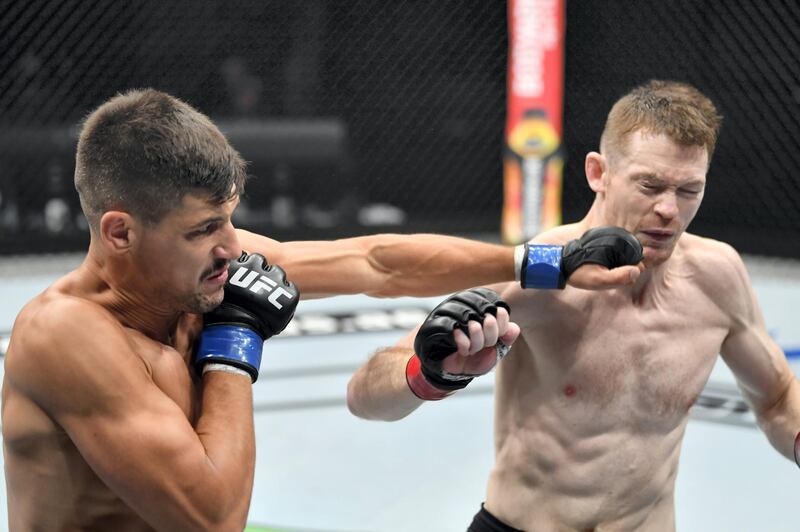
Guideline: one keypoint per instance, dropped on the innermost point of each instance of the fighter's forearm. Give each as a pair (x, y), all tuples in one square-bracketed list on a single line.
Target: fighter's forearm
[(781, 421), (387, 265), (379, 390), (428, 265), (225, 428)]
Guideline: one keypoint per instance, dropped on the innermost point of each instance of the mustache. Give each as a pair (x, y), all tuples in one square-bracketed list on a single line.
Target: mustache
[(218, 265)]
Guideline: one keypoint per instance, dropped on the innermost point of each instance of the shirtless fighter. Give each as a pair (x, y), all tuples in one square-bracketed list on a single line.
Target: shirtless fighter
[(113, 417), (593, 400)]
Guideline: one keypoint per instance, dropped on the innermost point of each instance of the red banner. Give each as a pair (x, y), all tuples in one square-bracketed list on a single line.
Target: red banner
[(533, 160)]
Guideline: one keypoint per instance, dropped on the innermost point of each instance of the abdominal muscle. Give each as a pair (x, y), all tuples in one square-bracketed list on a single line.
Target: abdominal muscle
[(551, 474), (588, 429)]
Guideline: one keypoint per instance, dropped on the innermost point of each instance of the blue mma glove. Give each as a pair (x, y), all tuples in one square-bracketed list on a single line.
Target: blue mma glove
[(549, 266), (259, 302)]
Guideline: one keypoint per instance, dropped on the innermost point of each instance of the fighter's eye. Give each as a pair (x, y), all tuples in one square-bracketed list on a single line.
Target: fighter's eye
[(204, 230)]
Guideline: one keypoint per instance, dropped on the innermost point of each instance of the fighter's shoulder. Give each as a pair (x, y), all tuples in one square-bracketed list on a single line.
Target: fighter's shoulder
[(53, 327), (53, 309), (706, 252), (715, 263)]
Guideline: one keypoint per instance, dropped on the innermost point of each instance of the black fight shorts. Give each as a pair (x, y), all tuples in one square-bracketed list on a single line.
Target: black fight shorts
[(486, 522)]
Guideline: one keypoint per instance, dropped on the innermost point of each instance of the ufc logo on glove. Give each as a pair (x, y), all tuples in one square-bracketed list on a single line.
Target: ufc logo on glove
[(235, 331), (256, 282)]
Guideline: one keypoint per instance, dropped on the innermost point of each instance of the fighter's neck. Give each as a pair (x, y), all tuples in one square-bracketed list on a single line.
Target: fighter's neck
[(113, 288), (597, 217)]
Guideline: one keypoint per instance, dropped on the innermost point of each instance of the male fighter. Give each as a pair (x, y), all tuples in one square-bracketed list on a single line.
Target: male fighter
[(593, 400), (120, 411)]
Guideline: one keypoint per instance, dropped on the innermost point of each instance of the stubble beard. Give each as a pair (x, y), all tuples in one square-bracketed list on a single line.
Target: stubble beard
[(202, 303)]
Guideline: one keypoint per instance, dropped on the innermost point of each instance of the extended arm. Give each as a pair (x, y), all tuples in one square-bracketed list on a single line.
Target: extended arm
[(391, 265), (386, 265)]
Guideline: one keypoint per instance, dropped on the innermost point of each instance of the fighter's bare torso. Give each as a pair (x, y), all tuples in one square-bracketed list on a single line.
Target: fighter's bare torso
[(50, 485), (593, 401)]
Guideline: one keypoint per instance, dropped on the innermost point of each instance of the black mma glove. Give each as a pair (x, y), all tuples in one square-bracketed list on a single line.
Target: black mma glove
[(549, 266), (259, 302), (434, 341)]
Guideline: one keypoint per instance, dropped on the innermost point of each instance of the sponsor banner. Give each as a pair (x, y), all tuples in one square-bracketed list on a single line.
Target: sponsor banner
[(533, 160)]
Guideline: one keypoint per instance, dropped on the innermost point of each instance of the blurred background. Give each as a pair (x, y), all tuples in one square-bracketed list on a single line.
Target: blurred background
[(360, 117)]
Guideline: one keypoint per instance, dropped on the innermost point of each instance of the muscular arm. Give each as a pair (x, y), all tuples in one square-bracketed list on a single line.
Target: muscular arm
[(762, 372), (386, 265), (447, 358), (134, 437), (378, 389), (390, 265)]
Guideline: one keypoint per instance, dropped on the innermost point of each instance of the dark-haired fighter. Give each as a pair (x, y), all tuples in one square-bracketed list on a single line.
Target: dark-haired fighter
[(113, 417), (593, 400)]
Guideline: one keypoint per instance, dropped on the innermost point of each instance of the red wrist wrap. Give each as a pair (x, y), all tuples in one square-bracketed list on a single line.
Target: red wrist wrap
[(797, 449), (419, 384)]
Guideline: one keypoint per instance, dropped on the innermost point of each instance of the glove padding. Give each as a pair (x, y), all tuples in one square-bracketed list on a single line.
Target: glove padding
[(550, 266), (608, 246), (257, 295), (259, 303), (434, 341)]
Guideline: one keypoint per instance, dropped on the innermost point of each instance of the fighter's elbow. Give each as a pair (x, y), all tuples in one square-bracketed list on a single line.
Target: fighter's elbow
[(233, 522), (211, 501), (354, 401), (360, 404), (775, 405), (218, 514)]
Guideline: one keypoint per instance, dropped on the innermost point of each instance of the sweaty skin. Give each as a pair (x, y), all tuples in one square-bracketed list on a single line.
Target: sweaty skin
[(102, 421), (97, 381), (593, 399), (104, 424), (52, 486)]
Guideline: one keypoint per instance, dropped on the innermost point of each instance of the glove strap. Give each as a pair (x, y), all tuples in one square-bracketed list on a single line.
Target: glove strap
[(797, 449), (225, 368), (541, 267), (236, 346), (419, 385)]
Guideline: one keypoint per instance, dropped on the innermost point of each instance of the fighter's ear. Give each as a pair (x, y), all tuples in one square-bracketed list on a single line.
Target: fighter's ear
[(596, 167), (116, 231)]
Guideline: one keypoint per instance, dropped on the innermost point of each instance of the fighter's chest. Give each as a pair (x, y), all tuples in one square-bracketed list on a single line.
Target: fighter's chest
[(170, 370), (607, 349)]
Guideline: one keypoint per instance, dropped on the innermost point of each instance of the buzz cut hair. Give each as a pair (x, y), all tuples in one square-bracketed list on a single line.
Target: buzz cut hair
[(142, 151)]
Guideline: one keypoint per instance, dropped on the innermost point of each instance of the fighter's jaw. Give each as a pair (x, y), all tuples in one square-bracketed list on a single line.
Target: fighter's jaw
[(204, 300), (655, 255)]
